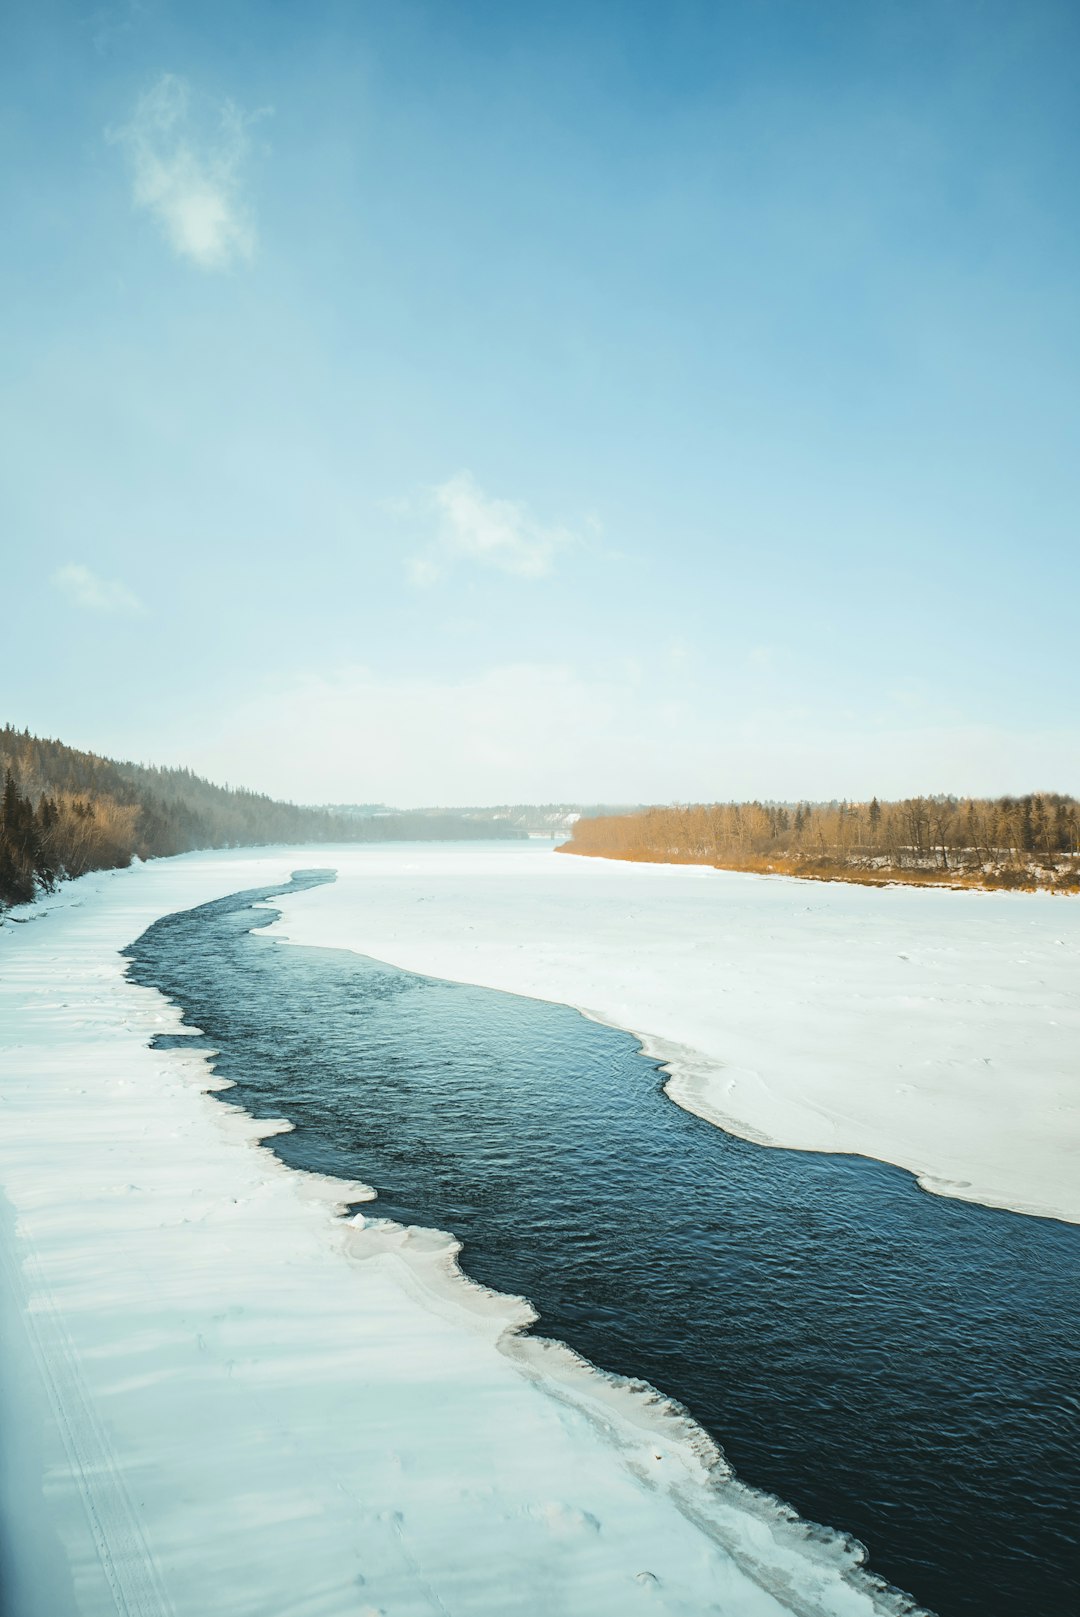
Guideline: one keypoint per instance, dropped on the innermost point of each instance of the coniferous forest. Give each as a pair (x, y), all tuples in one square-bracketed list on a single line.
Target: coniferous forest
[(65, 812), (1029, 841)]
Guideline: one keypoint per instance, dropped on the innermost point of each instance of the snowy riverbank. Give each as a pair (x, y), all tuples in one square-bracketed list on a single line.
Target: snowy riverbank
[(936, 1030), (221, 1398)]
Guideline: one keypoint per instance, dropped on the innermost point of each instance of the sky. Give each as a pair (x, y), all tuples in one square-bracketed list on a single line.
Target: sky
[(457, 402)]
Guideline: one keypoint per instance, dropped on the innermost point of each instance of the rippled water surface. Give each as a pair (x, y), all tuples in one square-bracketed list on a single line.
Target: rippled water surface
[(901, 1367)]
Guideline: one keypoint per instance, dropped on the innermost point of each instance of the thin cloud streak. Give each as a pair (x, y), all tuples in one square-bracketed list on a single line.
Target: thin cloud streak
[(190, 180), (86, 590), (475, 527)]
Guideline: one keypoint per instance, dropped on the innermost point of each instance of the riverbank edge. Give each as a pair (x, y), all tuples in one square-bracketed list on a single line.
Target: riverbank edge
[(982, 881), (696, 1080)]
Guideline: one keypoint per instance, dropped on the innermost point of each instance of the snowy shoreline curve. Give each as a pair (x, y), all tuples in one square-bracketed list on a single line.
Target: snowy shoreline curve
[(211, 1407), (929, 1028)]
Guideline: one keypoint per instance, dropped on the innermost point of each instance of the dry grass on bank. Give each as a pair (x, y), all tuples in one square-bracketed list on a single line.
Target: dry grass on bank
[(1005, 878)]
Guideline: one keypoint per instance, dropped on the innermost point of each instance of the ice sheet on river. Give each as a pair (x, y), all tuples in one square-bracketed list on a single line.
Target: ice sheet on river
[(934, 1029), (210, 1406)]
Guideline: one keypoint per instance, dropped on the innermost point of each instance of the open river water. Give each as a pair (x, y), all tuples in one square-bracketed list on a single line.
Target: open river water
[(900, 1367)]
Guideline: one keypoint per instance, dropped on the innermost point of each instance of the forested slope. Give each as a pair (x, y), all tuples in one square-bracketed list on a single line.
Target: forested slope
[(64, 812), (1030, 841)]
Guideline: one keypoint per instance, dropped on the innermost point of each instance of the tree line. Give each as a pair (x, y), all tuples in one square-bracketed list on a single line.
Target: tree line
[(64, 812), (1002, 842)]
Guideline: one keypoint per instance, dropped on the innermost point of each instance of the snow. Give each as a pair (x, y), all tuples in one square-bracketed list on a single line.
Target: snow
[(930, 1028), (221, 1397)]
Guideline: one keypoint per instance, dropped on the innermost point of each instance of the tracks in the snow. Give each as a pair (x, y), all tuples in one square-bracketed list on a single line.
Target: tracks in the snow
[(127, 1562)]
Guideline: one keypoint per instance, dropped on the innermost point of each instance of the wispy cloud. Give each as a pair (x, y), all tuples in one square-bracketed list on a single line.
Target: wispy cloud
[(422, 571), (187, 171), (473, 526), (85, 589), (109, 24)]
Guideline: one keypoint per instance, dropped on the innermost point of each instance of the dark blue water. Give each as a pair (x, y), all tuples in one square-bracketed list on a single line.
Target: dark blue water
[(900, 1367)]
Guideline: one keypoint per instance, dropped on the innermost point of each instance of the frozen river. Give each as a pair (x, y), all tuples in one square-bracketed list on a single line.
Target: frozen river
[(897, 1366), (933, 1029), (220, 1397)]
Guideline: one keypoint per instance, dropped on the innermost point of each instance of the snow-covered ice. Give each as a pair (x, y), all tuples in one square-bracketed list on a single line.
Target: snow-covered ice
[(220, 1397), (935, 1029)]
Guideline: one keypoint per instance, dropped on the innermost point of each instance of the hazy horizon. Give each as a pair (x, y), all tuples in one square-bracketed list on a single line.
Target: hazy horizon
[(478, 404)]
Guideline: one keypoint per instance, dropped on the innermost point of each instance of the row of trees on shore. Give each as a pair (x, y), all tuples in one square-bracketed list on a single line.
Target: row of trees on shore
[(59, 835), (1003, 841), (64, 812)]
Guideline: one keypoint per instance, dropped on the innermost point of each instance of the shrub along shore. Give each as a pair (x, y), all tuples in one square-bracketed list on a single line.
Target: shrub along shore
[(1006, 842)]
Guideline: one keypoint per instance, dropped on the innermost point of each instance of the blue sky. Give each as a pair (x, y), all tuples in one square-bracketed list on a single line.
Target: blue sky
[(471, 402)]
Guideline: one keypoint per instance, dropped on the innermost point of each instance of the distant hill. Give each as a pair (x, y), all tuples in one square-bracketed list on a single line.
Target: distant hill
[(539, 819), (64, 812)]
